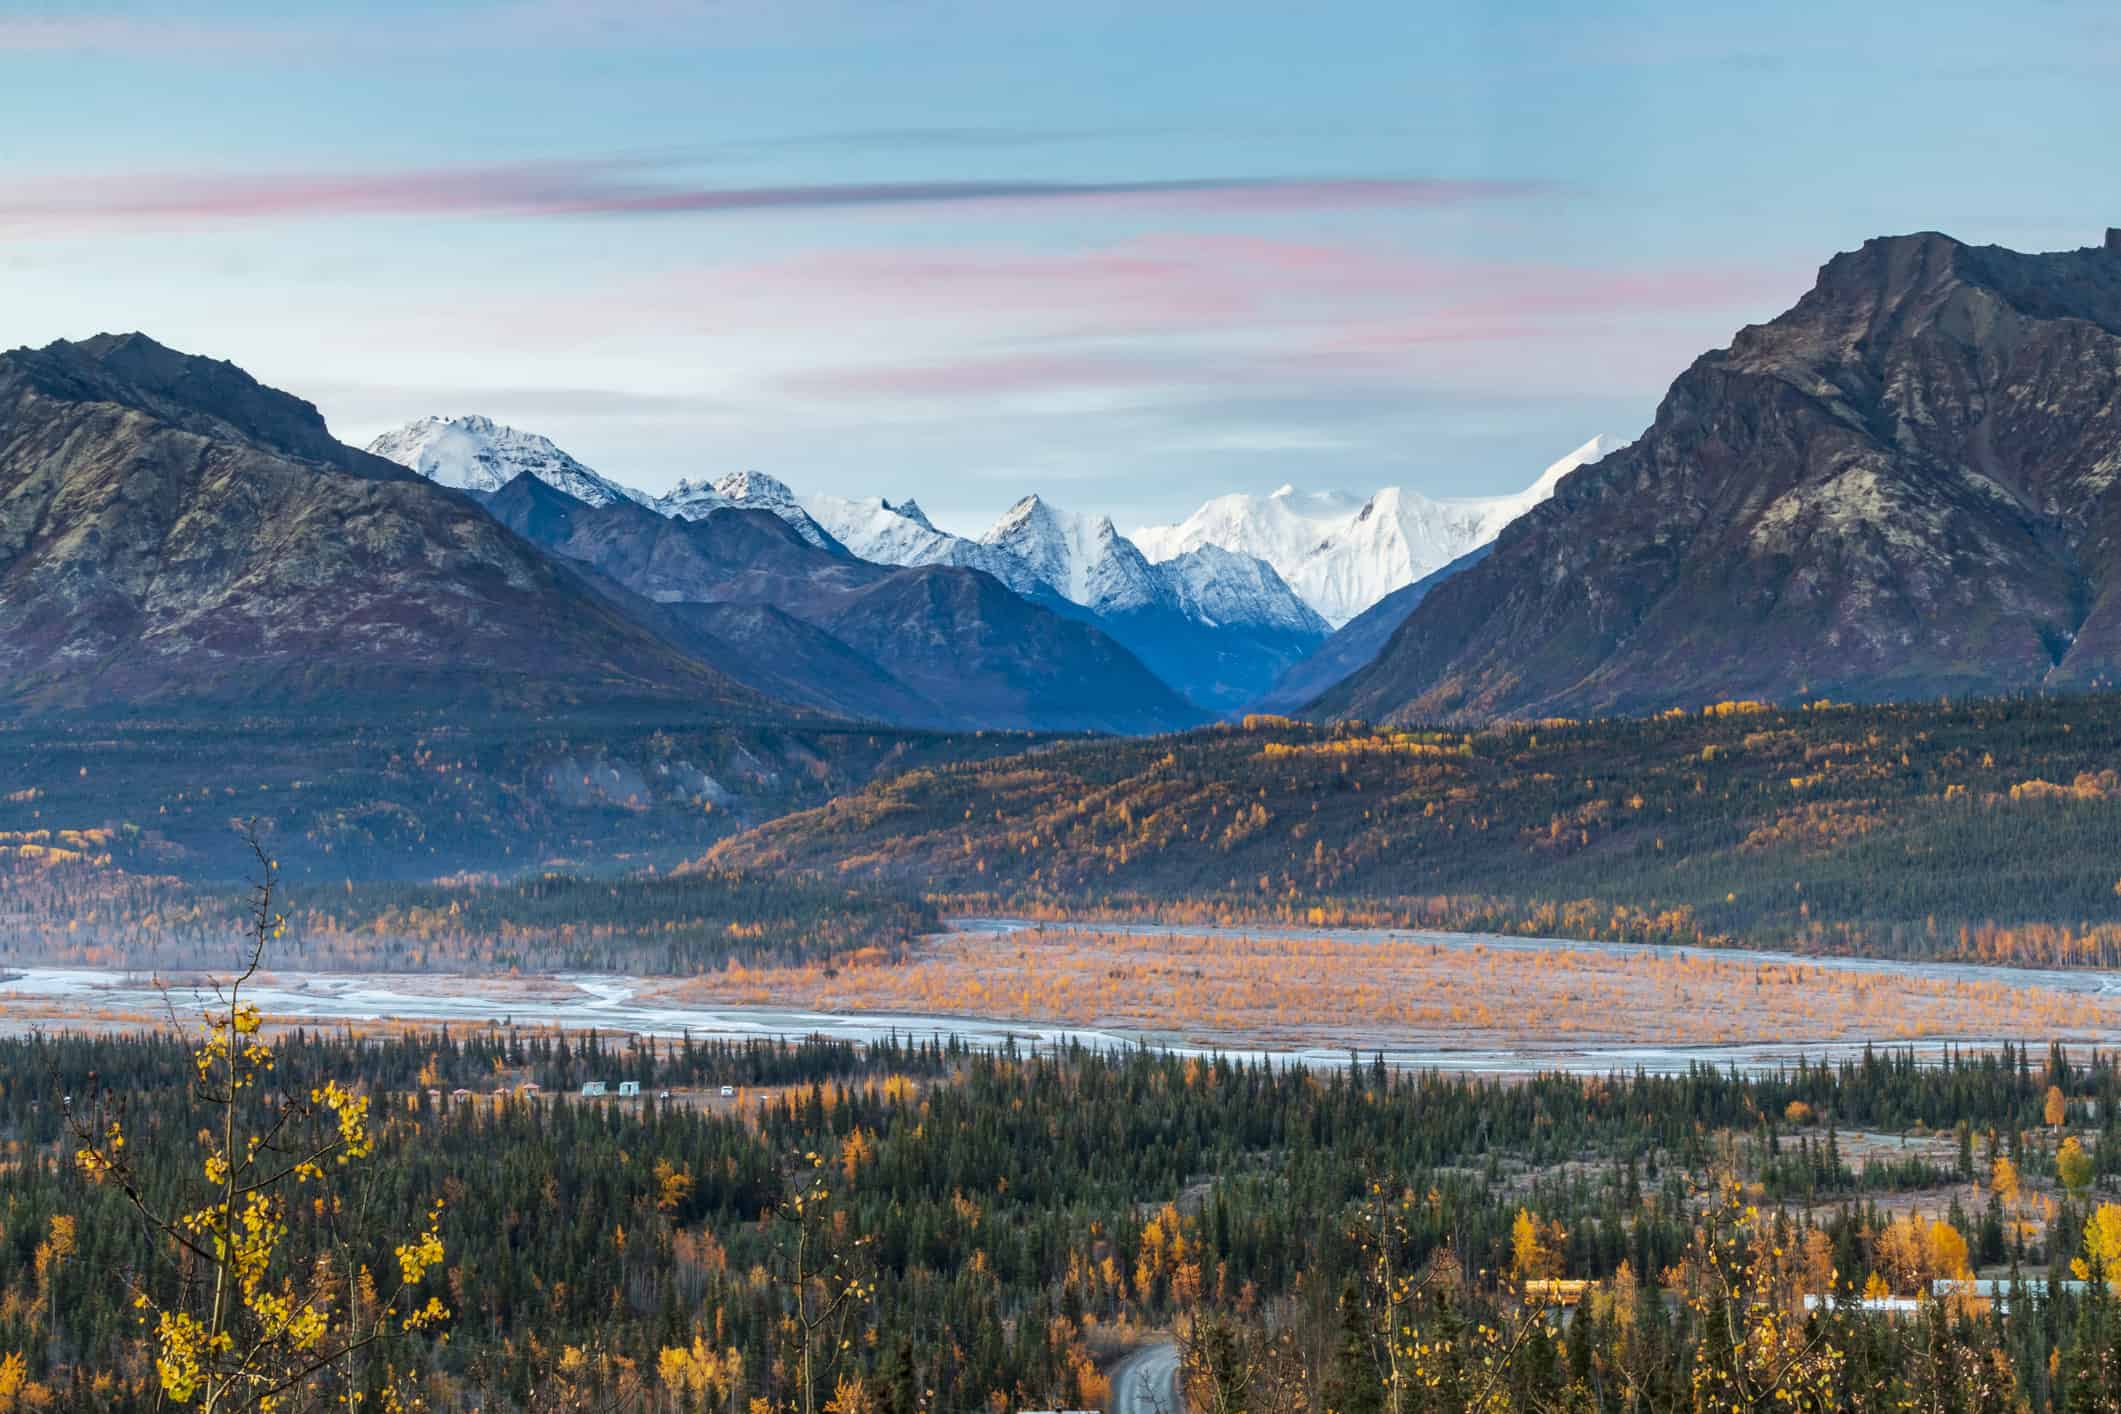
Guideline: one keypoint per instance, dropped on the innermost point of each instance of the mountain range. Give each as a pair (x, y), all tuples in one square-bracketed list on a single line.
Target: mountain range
[(1904, 486), (1219, 626), (930, 646), (1215, 626)]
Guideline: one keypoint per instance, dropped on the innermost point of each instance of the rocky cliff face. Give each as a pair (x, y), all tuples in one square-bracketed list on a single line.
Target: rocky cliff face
[(172, 531), (1905, 485)]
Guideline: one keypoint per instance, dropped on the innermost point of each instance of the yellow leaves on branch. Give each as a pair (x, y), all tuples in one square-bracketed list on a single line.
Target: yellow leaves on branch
[(355, 1141), (2102, 1243)]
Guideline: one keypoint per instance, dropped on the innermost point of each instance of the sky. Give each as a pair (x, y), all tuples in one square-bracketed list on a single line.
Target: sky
[(1128, 254)]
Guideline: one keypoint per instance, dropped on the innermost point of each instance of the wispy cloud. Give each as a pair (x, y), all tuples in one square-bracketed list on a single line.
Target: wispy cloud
[(622, 187), (1171, 314)]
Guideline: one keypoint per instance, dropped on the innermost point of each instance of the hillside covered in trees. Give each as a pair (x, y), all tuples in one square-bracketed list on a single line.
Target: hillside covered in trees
[(473, 841), (1983, 830), (417, 795)]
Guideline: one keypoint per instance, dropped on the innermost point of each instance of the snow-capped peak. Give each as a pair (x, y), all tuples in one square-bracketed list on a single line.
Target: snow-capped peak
[(691, 500), (912, 511), (749, 491), (872, 528), (1218, 586), (1342, 553), (757, 491), (1086, 561), (1594, 450), (475, 453)]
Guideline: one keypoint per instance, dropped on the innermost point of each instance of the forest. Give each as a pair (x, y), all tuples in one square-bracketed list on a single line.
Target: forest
[(61, 901), (912, 1226), (1980, 830), (482, 842), (419, 796)]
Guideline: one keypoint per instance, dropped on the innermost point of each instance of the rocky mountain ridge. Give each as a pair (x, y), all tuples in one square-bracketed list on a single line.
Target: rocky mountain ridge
[(173, 532), (1903, 486)]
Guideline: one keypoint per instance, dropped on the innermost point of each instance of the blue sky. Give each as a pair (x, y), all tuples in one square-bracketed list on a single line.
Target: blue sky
[(1128, 255)]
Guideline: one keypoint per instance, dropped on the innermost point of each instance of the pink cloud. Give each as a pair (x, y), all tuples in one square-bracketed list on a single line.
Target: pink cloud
[(1191, 311), (613, 187)]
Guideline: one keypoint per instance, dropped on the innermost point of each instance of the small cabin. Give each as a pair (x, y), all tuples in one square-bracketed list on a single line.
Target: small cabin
[(629, 1089), (460, 1093), (528, 1087), (1559, 1291), (592, 1089)]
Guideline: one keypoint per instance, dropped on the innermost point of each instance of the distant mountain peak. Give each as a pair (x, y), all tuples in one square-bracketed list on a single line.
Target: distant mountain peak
[(690, 500), (1084, 561), (911, 510), (1343, 555), (472, 452), (748, 491), (755, 489)]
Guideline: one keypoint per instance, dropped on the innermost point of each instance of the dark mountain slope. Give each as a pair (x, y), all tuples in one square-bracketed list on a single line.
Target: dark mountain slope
[(1903, 486), (945, 646), (1356, 643), (171, 531)]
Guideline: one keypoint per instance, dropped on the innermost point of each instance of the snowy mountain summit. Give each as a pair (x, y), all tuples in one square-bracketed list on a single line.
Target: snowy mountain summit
[(1343, 553), (745, 490), (1218, 586), (873, 528), (1085, 561), (475, 453)]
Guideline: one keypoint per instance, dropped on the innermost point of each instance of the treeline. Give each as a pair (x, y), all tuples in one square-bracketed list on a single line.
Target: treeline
[(421, 795), (1016, 1220), (1980, 830), (677, 924)]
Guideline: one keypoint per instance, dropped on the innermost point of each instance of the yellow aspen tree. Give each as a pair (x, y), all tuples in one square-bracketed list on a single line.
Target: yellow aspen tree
[(260, 1314)]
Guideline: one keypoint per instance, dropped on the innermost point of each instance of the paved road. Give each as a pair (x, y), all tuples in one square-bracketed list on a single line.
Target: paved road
[(1146, 1382)]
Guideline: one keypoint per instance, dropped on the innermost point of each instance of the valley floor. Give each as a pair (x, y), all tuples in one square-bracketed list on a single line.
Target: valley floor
[(1448, 1001)]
